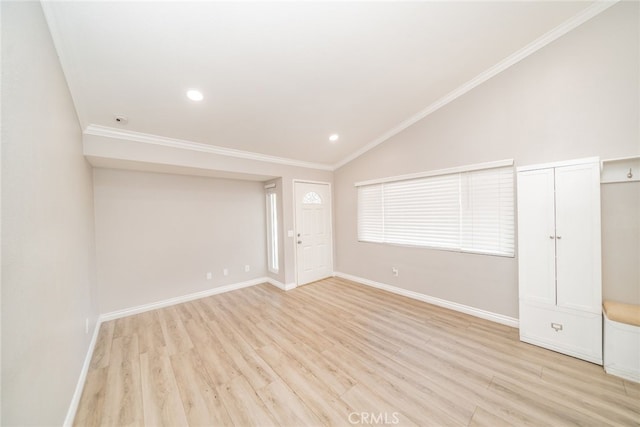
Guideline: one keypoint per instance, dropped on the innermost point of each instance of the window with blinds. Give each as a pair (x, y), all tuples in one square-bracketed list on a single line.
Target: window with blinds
[(470, 211)]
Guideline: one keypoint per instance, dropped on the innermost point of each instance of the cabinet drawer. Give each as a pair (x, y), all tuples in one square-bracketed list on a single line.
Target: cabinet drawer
[(575, 334)]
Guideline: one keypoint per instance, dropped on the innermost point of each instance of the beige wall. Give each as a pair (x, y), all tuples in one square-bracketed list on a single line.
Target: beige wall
[(577, 97), (118, 153), (157, 235), (621, 242), (47, 227)]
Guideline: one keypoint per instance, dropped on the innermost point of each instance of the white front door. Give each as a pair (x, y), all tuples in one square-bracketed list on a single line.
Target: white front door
[(313, 232)]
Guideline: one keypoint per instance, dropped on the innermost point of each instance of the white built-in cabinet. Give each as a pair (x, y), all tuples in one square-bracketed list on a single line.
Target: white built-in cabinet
[(559, 261)]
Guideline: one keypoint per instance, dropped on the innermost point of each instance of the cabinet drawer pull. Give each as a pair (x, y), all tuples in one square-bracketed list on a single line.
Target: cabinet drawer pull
[(556, 326)]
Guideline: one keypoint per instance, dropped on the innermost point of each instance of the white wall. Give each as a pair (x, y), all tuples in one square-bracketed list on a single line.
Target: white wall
[(47, 227), (577, 97), (157, 235)]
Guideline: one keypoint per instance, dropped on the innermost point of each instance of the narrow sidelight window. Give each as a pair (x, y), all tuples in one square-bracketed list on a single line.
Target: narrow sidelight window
[(272, 231)]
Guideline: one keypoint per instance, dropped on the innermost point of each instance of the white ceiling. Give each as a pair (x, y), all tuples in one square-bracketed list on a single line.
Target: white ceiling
[(280, 77)]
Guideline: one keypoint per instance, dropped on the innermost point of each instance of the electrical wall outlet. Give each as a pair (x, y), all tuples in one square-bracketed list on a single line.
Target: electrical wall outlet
[(394, 270), (209, 275), (247, 268), (225, 271)]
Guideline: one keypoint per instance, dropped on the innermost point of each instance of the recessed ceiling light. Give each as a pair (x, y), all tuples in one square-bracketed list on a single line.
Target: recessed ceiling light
[(334, 137), (194, 95)]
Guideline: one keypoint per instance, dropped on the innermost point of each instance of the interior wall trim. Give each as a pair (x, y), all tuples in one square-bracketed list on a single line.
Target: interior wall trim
[(483, 314), (282, 286), (181, 144), (178, 300), (77, 394)]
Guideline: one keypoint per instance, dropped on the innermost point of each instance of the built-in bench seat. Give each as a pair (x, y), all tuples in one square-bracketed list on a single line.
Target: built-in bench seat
[(622, 340)]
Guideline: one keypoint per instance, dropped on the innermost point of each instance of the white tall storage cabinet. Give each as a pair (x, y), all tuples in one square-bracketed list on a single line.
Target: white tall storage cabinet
[(560, 282)]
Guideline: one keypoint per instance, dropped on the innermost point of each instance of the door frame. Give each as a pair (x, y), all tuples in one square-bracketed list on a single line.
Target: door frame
[(295, 222)]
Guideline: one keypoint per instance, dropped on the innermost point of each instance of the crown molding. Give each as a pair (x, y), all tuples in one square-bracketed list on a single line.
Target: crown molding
[(181, 144), (69, 73), (595, 9)]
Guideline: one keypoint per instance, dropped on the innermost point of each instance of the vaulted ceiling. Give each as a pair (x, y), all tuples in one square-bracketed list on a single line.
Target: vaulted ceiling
[(279, 78)]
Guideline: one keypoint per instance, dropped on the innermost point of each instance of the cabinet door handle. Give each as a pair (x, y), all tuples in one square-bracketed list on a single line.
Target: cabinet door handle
[(556, 326), (551, 237), (558, 237)]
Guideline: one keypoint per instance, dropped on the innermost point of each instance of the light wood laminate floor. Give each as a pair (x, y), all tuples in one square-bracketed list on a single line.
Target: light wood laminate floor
[(336, 353)]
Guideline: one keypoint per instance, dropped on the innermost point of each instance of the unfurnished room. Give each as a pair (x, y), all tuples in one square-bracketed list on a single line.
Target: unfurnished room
[(306, 213)]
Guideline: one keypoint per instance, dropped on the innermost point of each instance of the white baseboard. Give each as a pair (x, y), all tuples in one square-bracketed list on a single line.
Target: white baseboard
[(77, 394), (281, 285), (178, 300), (483, 314), (623, 373)]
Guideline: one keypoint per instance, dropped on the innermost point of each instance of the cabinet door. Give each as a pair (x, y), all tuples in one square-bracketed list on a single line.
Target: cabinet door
[(536, 243), (578, 237)]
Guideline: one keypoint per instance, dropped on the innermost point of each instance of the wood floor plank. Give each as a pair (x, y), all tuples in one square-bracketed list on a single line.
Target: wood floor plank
[(372, 409), (200, 399), (582, 403), (219, 365), (123, 397), (323, 352), (244, 405), (597, 385), (91, 406), (256, 371), (102, 350), (160, 392), (149, 330), (543, 410), (173, 331), (484, 418), (328, 407), (421, 405), (124, 327), (245, 327), (332, 376), (285, 406), (632, 389)]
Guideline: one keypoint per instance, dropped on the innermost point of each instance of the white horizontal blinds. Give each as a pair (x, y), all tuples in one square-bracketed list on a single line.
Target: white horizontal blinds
[(423, 212), (487, 211), (467, 211), (370, 214)]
